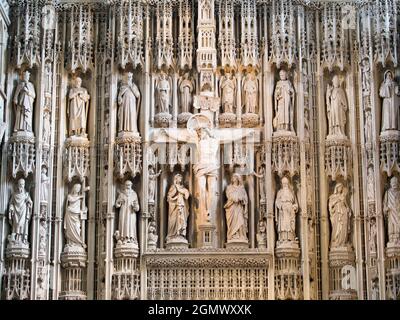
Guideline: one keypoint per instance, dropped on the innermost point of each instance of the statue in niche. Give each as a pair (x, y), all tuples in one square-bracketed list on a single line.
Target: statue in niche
[(340, 215), (105, 185), (236, 209), (370, 185), (311, 225), (372, 236), (75, 214), (106, 132), (44, 186), (152, 184), (152, 237), (128, 205), (250, 93), (186, 88), (164, 92), (20, 213), (284, 104), (306, 124), (129, 103), (368, 127), (336, 103), (24, 98), (42, 237), (391, 210), (46, 127), (390, 91), (228, 90), (261, 183), (178, 210), (285, 212), (365, 80), (262, 234), (78, 108)]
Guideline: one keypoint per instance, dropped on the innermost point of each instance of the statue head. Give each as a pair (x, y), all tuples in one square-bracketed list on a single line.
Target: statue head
[(44, 170), (283, 74), (236, 179), (388, 76), (370, 170), (285, 182), (151, 170), (338, 188), (21, 185), (178, 179), (394, 182), (128, 185), (261, 226), (336, 81), (76, 188), (129, 77), (26, 75), (78, 82), (152, 227)]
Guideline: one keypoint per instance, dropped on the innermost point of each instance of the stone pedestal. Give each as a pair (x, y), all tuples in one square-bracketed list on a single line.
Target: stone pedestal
[(73, 262), (178, 242), (288, 277), (250, 120), (389, 151), (285, 153), (162, 120), (128, 152), (227, 120), (342, 274), (130, 250), (237, 244), (17, 277), (338, 157), (22, 152), (77, 156), (183, 119)]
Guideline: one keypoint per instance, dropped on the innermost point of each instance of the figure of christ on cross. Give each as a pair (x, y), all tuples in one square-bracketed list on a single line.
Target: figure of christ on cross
[(205, 168)]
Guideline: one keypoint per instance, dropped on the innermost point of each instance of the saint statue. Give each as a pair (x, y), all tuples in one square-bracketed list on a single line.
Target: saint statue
[(262, 234), (152, 184), (23, 99), (44, 185), (285, 212), (178, 210), (250, 93), (390, 91), (340, 215), (75, 213), (368, 127), (284, 104), (228, 88), (336, 104), (372, 236), (186, 88), (370, 185), (152, 236), (164, 91), (20, 213), (391, 210), (78, 108), (129, 103), (261, 183), (128, 203), (46, 128), (236, 209)]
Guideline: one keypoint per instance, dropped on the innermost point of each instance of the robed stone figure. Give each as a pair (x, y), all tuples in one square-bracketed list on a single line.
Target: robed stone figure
[(24, 97), (284, 104), (129, 103), (128, 205), (236, 209), (186, 88), (228, 87), (391, 210), (78, 108), (74, 215), (250, 93), (336, 103), (178, 210), (20, 213), (390, 91), (285, 212), (340, 214)]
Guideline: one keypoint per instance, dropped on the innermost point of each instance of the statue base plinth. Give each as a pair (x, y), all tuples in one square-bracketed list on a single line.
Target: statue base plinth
[(237, 244), (73, 256), (393, 249), (390, 158), (341, 254), (250, 120), (183, 119), (338, 156), (227, 120), (162, 119), (285, 153), (179, 242), (287, 249), (128, 137), (77, 141), (22, 152), (126, 250), (16, 249)]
